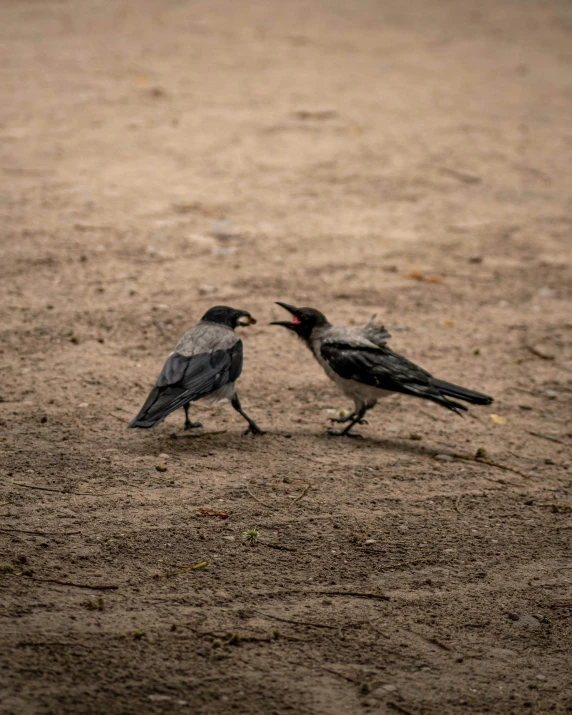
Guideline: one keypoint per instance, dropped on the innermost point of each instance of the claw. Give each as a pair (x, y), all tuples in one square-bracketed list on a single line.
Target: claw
[(192, 425), (343, 433), (253, 429)]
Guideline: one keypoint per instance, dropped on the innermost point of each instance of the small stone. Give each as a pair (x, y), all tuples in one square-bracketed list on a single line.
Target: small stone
[(367, 542), (443, 458), (223, 230), (550, 394), (503, 652), (382, 690), (158, 697), (540, 677), (527, 621)]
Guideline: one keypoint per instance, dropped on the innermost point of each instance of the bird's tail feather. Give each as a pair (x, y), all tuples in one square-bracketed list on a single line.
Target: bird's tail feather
[(160, 403), (461, 393)]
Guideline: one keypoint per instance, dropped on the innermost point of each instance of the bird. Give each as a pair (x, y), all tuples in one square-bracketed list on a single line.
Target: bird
[(360, 362), (205, 365)]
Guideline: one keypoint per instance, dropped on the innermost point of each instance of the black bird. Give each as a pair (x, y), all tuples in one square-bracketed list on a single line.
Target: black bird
[(358, 360), (205, 364)]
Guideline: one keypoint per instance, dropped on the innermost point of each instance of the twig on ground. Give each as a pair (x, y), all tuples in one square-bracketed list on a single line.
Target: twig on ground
[(340, 675), (63, 491), (301, 496), (557, 508), (270, 506), (70, 644), (397, 707), (329, 670), (280, 508), (350, 594), (546, 436), (184, 569), (277, 546), (297, 623), (100, 587), (40, 533), (117, 417), (237, 638), (537, 352), (470, 458)]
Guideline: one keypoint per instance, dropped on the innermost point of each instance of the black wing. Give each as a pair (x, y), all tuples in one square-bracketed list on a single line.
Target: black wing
[(385, 370), (185, 379)]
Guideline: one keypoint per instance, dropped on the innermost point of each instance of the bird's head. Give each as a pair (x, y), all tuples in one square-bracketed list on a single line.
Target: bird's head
[(303, 322), (223, 315)]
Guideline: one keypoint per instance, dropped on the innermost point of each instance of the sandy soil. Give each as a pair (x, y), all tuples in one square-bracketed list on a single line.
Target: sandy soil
[(161, 157)]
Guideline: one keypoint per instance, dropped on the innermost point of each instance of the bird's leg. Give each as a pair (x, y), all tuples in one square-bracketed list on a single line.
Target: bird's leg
[(188, 423), (252, 426), (345, 418), (356, 419)]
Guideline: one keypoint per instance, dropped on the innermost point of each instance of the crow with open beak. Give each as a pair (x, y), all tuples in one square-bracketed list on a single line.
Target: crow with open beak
[(358, 360), (205, 365)]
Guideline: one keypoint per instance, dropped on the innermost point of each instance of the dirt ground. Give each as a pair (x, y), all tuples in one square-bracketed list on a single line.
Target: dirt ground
[(405, 159)]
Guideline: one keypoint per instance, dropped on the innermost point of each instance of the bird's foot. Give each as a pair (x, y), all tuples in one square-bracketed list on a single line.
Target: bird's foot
[(192, 425), (253, 429), (343, 433), (347, 418)]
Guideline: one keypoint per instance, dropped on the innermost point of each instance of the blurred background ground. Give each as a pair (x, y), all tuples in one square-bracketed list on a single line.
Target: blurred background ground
[(408, 159)]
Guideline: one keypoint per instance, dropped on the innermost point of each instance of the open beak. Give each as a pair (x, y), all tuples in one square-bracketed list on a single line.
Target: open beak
[(287, 323), (245, 320)]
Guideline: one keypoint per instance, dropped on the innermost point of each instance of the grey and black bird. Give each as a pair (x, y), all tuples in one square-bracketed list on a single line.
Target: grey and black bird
[(205, 365), (359, 361)]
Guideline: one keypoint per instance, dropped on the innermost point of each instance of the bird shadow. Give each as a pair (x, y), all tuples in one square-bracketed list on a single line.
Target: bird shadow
[(213, 443)]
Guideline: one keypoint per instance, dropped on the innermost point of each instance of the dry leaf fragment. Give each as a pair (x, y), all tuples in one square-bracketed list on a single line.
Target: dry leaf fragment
[(418, 276), (212, 512), (498, 420)]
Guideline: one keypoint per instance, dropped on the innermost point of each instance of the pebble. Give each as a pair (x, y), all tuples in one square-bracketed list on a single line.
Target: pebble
[(540, 677), (527, 621), (381, 691), (367, 542), (550, 394), (443, 458), (223, 230), (503, 653)]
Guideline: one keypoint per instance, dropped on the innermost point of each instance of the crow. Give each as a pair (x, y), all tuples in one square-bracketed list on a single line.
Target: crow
[(359, 361), (205, 365)]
